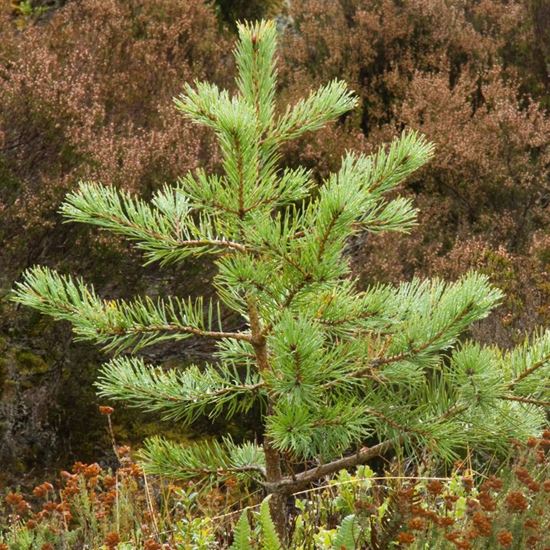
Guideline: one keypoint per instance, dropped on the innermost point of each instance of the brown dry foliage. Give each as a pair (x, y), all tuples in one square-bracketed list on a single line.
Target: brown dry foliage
[(86, 92), (468, 75)]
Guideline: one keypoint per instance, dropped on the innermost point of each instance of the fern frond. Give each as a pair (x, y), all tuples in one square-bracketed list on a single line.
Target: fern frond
[(270, 539), (346, 534), (242, 534)]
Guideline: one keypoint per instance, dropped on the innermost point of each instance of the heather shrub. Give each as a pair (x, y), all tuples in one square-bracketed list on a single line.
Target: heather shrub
[(231, 11), (86, 92), (468, 75), (465, 510), (91, 506)]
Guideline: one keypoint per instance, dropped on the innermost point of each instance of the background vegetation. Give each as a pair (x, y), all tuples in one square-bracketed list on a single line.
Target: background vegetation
[(86, 92)]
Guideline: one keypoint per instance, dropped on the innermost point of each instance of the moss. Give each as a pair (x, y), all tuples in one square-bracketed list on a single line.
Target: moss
[(29, 363), (3, 373), (130, 428)]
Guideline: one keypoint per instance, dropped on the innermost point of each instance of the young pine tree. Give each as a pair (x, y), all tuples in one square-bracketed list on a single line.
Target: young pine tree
[(331, 366)]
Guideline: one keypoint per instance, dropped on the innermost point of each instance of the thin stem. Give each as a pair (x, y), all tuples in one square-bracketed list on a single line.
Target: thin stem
[(220, 335), (529, 371), (527, 400), (176, 243)]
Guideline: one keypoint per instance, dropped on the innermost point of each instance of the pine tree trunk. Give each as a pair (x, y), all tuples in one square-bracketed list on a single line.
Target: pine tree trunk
[(277, 502)]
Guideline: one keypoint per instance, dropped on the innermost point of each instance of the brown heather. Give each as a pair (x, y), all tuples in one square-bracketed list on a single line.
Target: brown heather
[(499, 511), (435, 487), (492, 483), (486, 502), (87, 91), (405, 538), (102, 508), (459, 73), (516, 502), (112, 540), (417, 524), (421, 513), (482, 523), (106, 410)]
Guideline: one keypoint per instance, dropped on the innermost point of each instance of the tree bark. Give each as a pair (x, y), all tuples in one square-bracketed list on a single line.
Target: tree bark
[(277, 502), (274, 474), (289, 485)]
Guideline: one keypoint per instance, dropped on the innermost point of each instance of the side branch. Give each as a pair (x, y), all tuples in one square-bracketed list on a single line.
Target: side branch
[(214, 242), (179, 329), (528, 372), (115, 323), (165, 229), (527, 400), (297, 482), (140, 232), (200, 472), (410, 353)]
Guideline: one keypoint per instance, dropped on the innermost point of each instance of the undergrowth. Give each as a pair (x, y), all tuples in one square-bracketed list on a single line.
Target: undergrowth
[(398, 507)]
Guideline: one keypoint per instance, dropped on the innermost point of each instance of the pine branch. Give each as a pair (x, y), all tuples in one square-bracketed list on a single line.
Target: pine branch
[(449, 310), (309, 429), (387, 169), (526, 400), (204, 103), (399, 427), (165, 231), (350, 200), (180, 396), (116, 324), (308, 115), (527, 367), (206, 462), (397, 215), (530, 371)]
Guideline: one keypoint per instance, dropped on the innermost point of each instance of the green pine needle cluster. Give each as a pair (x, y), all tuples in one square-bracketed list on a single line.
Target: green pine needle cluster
[(331, 366)]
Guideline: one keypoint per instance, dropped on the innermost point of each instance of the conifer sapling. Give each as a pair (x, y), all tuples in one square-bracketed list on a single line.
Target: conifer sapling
[(332, 366)]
